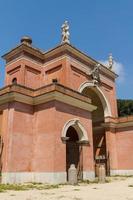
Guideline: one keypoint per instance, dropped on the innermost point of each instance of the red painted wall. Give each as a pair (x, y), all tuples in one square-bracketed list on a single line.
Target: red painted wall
[(124, 138)]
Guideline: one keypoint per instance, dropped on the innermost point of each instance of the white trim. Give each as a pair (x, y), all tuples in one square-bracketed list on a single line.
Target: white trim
[(42, 177), (121, 172), (98, 91), (25, 58), (54, 60), (82, 133), (88, 175)]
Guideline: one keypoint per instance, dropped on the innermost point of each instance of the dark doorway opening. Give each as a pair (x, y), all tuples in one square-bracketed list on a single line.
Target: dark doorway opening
[(73, 152)]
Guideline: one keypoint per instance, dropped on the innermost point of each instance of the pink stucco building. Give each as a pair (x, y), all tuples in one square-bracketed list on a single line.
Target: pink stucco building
[(58, 108)]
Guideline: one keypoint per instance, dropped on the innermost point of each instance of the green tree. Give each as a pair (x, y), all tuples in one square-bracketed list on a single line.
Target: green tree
[(125, 107)]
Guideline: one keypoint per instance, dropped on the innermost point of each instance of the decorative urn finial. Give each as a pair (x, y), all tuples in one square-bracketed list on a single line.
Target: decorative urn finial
[(110, 60), (65, 33), (26, 40)]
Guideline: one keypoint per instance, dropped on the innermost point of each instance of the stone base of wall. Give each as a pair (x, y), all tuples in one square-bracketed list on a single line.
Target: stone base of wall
[(90, 175), (44, 177), (121, 172)]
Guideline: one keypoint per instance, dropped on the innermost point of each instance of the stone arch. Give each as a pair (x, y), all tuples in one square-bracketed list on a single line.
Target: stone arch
[(75, 123), (99, 92)]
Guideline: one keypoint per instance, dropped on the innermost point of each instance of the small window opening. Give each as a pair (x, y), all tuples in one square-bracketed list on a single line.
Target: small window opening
[(14, 81)]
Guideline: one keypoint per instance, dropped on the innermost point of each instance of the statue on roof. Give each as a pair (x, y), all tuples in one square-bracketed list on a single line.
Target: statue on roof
[(111, 61), (65, 33), (95, 74)]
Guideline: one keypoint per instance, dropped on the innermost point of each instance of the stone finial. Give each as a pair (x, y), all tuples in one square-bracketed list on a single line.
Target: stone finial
[(65, 33), (26, 40), (110, 60)]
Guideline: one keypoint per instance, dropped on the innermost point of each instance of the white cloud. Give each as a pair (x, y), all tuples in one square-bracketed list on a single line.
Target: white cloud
[(118, 68)]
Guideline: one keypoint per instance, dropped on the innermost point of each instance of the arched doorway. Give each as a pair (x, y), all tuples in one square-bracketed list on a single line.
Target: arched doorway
[(74, 136), (73, 151), (98, 118)]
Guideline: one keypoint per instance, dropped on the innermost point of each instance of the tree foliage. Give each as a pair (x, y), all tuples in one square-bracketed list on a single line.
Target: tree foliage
[(125, 107)]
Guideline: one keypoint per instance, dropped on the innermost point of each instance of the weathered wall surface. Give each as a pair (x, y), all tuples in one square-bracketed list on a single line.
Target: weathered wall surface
[(27, 73), (119, 140), (18, 138), (33, 141), (124, 142), (50, 153)]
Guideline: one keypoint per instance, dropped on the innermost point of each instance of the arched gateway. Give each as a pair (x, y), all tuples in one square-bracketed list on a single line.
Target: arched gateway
[(98, 118), (98, 91), (48, 122)]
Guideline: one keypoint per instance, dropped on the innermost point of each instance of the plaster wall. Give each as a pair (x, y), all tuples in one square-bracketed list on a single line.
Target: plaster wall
[(33, 137), (124, 142), (27, 72), (50, 119)]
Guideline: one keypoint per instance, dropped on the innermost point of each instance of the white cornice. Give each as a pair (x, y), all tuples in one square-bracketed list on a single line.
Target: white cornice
[(54, 60), (25, 58)]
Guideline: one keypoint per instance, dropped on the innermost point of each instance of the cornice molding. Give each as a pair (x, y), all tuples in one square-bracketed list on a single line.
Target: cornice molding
[(72, 51), (63, 49), (20, 49), (45, 94), (118, 125)]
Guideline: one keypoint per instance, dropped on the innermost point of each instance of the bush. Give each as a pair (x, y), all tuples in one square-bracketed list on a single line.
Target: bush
[(125, 107)]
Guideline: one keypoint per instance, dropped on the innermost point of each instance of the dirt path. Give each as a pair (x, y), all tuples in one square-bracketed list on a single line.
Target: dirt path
[(115, 190)]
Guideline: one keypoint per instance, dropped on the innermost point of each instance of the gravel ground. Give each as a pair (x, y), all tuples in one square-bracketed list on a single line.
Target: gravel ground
[(118, 189)]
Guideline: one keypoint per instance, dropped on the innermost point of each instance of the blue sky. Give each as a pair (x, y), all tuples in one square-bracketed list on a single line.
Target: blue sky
[(97, 27)]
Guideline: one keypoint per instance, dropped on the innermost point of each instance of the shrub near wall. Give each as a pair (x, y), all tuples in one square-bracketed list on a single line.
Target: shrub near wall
[(125, 107)]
